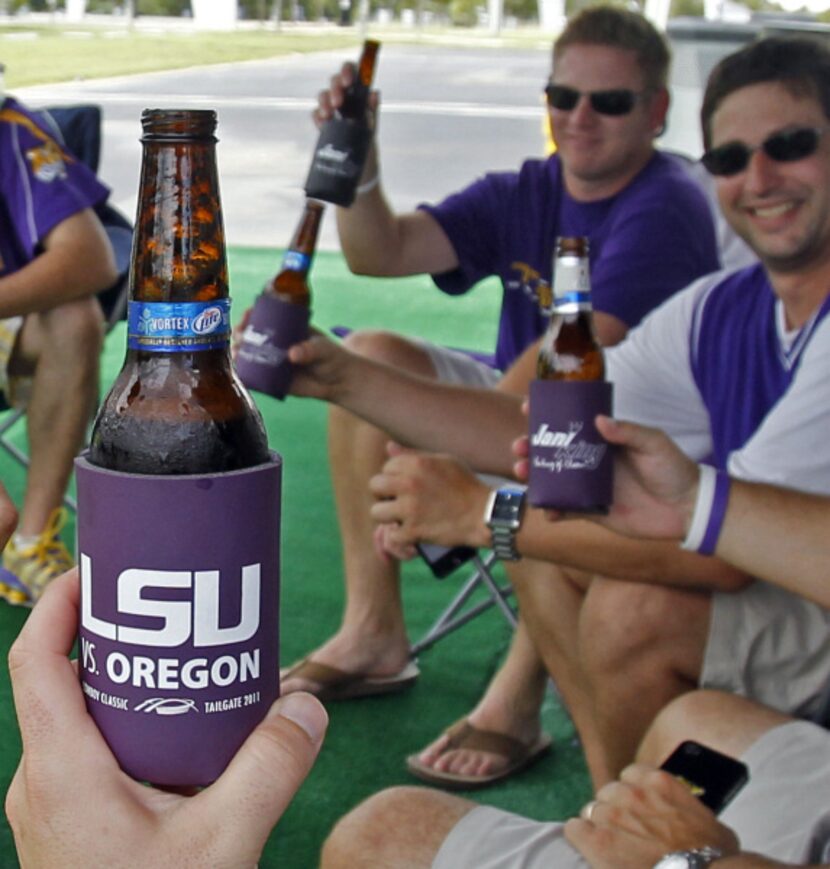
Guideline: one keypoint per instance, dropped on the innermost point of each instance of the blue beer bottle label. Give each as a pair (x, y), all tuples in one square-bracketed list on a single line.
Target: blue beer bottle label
[(178, 327), (572, 301), (294, 261)]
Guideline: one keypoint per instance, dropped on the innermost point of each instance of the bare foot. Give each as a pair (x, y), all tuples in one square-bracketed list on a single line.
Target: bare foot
[(366, 656), (477, 762)]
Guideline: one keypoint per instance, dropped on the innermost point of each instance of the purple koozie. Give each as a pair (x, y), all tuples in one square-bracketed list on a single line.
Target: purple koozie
[(571, 465), (179, 628), (262, 360)]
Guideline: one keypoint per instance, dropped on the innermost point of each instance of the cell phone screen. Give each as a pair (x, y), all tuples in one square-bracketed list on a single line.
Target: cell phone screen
[(714, 778)]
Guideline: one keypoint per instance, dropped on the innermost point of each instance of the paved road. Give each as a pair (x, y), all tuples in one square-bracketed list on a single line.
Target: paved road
[(448, 115)]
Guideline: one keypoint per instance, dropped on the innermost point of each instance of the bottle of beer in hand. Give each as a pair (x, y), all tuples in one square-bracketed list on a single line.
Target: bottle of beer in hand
[(569, 349), (177, 407), (344, 140), (281, 314), (570, 463), (291, 282)]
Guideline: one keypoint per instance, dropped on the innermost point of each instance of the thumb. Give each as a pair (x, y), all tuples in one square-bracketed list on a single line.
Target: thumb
[(393, 448), (251, 795), (627, 434)]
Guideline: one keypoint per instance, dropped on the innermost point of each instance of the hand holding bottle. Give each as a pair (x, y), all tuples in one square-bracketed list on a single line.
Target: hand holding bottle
[(70, 805), (281, 313), (570, 464), (346, 133), (331, 99)]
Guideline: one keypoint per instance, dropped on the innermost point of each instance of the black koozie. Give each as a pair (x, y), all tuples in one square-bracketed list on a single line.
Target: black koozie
[(338, 161)]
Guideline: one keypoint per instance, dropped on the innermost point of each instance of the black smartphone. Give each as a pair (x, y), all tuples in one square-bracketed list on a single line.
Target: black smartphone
[(443, 560), (714, 778)]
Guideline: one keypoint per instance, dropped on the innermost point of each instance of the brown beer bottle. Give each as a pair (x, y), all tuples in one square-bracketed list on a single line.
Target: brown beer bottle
[(177, 407), (290, 284), (569, 348), (344, 140), (356, 98)]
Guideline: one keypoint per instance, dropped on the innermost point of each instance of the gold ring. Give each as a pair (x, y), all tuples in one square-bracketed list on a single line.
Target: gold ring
[(588, 810)]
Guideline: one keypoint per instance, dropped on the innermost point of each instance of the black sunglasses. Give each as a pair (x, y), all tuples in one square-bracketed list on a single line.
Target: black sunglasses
[(613, 102), (784, 147)]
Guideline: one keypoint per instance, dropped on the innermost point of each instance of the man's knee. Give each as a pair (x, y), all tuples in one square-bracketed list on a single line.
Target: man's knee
[(399, 826), (78, 325), (625, 622), (726, 722), (389, 348)]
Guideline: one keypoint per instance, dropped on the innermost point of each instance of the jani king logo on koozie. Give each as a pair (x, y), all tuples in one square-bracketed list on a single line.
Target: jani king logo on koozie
[(329, 152), (568, 452), (192, 622)]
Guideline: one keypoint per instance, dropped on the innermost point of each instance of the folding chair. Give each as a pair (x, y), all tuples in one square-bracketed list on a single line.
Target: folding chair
[(458, 613), (78, 128), (455, 616)]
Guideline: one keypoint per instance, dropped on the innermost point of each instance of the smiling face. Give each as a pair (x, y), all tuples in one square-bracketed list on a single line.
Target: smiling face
[(601, 153), (782, 210)]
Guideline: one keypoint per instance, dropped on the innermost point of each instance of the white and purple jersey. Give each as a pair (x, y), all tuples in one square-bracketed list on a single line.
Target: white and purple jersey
[(647, 242), (41, 184), (716, 368)]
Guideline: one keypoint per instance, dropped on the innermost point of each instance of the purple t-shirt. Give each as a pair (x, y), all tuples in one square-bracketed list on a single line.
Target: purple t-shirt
[(737, 360), (646, 242), (41, 184)]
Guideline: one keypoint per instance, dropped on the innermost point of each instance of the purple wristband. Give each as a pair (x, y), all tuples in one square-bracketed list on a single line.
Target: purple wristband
[(717, 513)]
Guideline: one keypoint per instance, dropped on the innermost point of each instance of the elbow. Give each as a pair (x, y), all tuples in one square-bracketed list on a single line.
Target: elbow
[(364, 264)]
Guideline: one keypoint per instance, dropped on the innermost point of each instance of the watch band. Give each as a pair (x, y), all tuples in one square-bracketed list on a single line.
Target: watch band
[(503, 516), (696, 858)]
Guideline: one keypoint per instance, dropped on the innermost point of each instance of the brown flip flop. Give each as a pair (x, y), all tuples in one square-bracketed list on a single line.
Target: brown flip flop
[(336, 684), (462, 734)]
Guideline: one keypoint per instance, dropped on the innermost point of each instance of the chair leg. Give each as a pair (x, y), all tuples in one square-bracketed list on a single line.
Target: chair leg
[(452, 618), (19, 456)]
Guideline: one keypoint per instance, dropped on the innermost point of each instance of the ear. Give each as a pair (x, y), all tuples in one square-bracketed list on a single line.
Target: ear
[(658, 110)]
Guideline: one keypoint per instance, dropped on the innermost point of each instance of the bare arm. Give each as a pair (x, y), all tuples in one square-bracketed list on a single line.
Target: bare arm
[(375, 240), (775, 534), (478, 425), (77, 261), (436, 498)]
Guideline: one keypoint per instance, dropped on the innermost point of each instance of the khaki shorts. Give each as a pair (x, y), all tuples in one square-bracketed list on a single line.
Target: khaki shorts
[(770, 645), (783, 813), (455, 366), (15, 390)]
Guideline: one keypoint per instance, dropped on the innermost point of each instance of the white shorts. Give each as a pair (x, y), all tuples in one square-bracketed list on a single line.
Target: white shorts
[(455, 366), (770, 645), (783, 813)]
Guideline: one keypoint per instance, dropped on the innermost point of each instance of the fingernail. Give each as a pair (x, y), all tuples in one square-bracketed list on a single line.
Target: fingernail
[(305, 711)]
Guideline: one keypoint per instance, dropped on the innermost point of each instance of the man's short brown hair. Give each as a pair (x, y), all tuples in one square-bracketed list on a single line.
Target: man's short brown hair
[(616, 27), (800, 64)]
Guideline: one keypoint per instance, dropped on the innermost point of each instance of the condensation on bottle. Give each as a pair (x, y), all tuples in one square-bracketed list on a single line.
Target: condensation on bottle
[(177, 406), (570, 349)]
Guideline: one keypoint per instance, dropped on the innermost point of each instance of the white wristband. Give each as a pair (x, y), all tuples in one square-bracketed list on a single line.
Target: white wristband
[(709, 512), (369, 185), (703, 507)]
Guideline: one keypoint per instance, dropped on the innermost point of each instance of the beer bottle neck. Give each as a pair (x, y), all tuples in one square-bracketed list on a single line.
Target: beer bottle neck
[(179, 245), (297, 258), (179, 277), (356, 97), (571, 284)]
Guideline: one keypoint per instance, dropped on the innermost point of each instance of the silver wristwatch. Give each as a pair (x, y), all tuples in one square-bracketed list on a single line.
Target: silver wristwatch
[(697, 858), (503, 517)]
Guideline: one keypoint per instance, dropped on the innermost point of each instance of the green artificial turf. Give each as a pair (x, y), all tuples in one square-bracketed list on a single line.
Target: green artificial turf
[(368, 739)]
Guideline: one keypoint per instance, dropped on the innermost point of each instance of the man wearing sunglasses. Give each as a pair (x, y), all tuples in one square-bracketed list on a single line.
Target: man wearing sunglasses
[(735, 370), (606, 182)]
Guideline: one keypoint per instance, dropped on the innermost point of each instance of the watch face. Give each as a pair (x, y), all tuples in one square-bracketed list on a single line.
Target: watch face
[(674, 861), (507, 506)]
